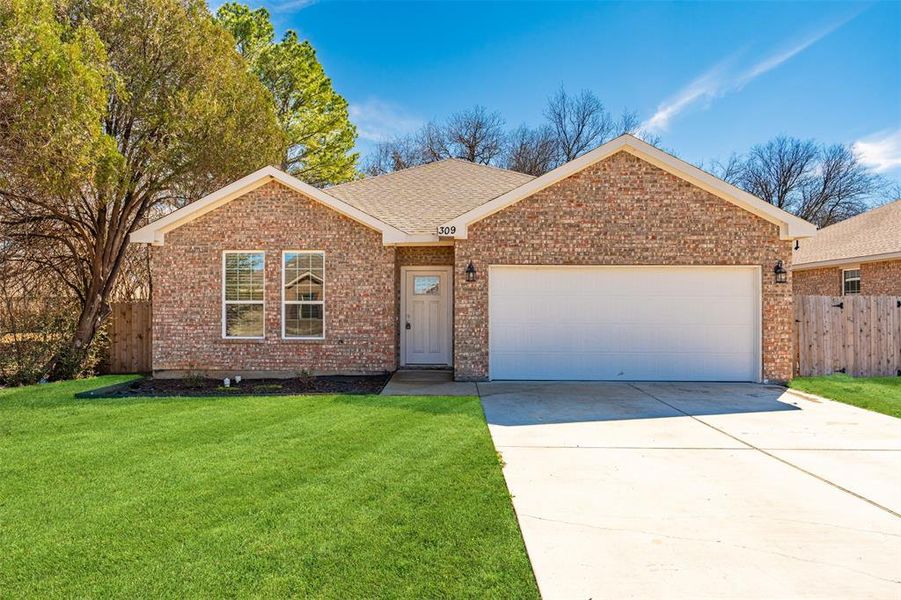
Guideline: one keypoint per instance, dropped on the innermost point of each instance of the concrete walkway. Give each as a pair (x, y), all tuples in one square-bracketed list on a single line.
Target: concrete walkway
[(699, 490), (427, 382)]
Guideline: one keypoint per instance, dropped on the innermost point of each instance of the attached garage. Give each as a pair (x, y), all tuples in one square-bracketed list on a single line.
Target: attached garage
[(670, 323)]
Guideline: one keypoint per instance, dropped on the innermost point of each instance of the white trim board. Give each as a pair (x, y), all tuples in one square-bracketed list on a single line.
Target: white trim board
[(850, 260), (790, 226)]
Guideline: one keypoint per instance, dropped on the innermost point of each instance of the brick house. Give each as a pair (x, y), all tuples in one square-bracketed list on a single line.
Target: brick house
[(624, 264), (860, 255)]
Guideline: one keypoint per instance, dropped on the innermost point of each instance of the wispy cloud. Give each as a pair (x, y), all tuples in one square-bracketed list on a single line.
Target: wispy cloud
[(273, 6), (880, 151), (703, 89), (292, 5), (378, 121), (725, 78)]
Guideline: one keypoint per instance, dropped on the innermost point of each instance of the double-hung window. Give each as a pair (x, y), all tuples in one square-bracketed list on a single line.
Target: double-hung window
[(851, 281), (303, 294), (242, 295)]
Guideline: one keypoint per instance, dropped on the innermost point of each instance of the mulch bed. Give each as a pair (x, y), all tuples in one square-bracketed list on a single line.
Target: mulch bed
[(336, 384)]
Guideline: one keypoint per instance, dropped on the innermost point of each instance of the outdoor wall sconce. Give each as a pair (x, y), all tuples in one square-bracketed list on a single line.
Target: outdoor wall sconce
[(781, 273), (470, 272)]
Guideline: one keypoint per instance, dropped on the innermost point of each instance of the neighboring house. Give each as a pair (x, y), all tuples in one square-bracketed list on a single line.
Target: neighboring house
[(860, 255), (624, 264)]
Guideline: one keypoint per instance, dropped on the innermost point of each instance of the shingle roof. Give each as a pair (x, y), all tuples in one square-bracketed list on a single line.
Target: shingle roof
[(419, 199), (872, 233)]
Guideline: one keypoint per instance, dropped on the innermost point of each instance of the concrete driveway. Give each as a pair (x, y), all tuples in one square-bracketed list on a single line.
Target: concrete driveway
[(694, 490)]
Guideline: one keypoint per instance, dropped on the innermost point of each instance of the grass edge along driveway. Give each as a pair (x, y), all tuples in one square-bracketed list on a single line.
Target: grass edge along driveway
[(310, 496), (879, 394)]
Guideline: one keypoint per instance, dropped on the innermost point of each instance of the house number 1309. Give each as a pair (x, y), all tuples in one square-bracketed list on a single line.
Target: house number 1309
[(445, 230)]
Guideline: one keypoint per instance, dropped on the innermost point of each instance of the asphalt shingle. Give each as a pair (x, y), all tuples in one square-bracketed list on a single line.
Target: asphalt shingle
[(872, 233), (419, 199)]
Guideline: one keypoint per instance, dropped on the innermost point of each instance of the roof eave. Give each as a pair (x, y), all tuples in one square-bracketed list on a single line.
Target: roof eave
[(834, 262)]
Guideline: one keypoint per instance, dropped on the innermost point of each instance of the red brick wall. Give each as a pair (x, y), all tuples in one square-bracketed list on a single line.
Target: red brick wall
[(413, 256), (818, 282), (881, 278), (360, 297), (621, 211)]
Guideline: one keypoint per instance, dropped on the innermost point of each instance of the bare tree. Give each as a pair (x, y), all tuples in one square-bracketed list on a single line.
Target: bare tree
[(531, 151), (393, 155), (891, 192), (630, 123), (431, 143), (37, 311), (576, 124), (475, 135), (729, 171), (839, 187), (777, 170), (579, 122), (822, 184)]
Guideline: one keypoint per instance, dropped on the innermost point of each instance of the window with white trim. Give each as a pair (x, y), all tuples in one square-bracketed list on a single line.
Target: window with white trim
[(303, 294), (242, 294), (851, 281)]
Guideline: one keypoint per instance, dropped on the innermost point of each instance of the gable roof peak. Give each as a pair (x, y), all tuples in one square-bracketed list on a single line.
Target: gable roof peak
[(155, 232), (790, 226)]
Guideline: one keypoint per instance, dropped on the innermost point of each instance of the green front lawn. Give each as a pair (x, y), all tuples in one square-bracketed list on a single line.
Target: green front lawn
[(307, 496), (881, 394)]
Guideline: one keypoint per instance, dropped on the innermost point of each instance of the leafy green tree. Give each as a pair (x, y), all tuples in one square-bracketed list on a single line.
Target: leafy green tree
[(313, 117), (109, 108)]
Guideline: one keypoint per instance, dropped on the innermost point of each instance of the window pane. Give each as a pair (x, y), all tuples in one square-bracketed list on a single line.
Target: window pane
[(303, 320), (851, 281), (244, 320), (244, 277), (304, 277), (426, 285)]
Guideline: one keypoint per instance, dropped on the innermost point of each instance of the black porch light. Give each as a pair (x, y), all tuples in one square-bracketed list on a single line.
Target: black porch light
[(781, 273), (470, 272)]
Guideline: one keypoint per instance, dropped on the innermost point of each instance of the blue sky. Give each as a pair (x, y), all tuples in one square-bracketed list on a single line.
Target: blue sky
[(709, 78)]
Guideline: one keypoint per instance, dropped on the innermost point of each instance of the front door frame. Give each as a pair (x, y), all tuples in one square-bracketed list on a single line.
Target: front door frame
[(449, 270)]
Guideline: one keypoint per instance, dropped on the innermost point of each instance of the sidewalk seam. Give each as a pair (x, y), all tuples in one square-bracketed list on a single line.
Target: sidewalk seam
[(773, 456)]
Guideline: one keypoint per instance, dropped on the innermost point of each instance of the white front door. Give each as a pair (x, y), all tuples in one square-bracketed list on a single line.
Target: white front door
[(426, 316)]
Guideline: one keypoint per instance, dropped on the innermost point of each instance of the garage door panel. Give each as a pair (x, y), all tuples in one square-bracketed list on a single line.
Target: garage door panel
[(638, 323), (612, 366)]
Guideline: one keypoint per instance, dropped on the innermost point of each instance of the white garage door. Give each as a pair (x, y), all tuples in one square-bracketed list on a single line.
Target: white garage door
[(624, 323)]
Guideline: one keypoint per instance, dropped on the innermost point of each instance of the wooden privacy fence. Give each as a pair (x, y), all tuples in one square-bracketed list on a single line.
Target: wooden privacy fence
[(130, 337), (857, 335)]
